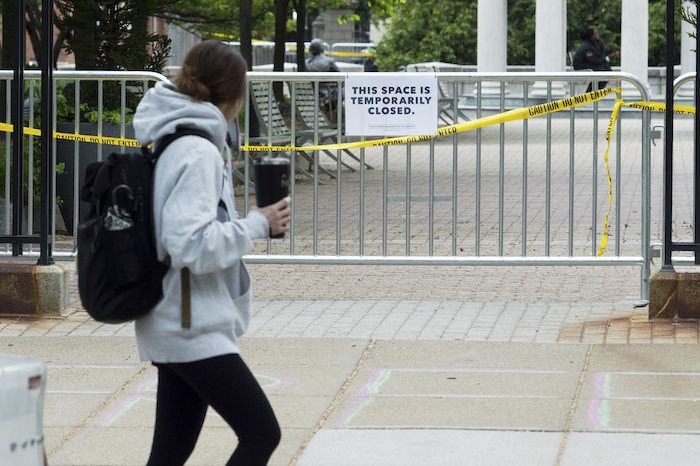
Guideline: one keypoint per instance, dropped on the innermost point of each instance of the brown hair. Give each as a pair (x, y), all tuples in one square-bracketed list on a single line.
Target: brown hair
[(212, 72)]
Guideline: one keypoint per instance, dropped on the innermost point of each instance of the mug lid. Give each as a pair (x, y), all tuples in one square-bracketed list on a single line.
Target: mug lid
[(272, 161)]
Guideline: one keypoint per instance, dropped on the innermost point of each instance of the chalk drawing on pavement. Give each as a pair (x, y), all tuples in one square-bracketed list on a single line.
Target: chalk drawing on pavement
[(373, 390), (148, 390), (600, 410)]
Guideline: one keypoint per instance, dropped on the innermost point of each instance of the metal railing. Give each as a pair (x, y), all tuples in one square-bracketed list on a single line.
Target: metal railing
[(524, 193), (356, 52), (290, 50), (133, 82), (498, 195), (263, 51)]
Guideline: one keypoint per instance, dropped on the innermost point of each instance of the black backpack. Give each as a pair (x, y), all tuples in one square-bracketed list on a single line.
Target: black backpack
[(119, 274)]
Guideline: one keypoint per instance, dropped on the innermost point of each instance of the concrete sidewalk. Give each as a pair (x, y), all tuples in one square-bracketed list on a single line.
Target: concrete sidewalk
[(408, 379), (410, 365), (399, 382), (345, 401)]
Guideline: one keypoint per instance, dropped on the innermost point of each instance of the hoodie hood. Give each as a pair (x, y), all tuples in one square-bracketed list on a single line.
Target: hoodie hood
[(162, 110)]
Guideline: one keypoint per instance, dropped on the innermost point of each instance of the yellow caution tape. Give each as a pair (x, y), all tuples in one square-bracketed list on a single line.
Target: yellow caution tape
[(223, 36), (653, 106), (337, 54), (608, 136), (512, 115), (97, 139), (353, 54), (657, 107), (76, 137), (235, 38)]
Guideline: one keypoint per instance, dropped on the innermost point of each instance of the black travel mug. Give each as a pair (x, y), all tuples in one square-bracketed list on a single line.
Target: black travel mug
[(271, 181)]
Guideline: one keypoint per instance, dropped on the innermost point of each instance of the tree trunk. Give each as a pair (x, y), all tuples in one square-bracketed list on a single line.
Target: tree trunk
[(281, 8), (86, 58), (246, 12), (33, 23), (301, 34), (57, 46), (139, 27), (8, 28)]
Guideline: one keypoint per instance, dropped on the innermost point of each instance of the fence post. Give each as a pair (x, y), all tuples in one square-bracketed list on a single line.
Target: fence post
[(47, 166), (666, 263), (18, 122), (696, 190)]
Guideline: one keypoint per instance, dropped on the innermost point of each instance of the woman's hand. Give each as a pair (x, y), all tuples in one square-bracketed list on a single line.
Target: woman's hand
[(278, 215)]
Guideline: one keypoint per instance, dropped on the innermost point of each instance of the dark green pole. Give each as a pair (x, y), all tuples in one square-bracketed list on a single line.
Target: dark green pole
[(666, 265), (47, 168), (17, 109)]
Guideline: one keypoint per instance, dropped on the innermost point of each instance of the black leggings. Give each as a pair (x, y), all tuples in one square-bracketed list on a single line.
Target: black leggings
[(225, 383)]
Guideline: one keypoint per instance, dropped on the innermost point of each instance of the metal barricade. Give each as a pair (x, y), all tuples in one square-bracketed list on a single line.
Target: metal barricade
[(263, 51), (290, 50), (132, 83), (533, 192), (353, 52), (526, 193)]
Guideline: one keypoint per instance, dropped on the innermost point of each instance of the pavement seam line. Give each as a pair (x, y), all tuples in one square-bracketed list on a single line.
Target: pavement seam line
[(572, 409), (97, 411), (335, 402)]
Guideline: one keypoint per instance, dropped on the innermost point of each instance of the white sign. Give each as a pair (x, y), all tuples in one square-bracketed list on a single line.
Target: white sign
[(391, 104)]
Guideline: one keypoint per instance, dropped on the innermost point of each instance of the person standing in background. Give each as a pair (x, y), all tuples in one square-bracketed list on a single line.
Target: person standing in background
[(591, 55)]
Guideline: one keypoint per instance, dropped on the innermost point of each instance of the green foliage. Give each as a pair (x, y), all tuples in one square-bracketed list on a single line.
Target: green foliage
[(521, 32), (380, 10), (219, 19), (686, 14), (657, 34), (425, 31), (65, 112), (62, 110), (110, 116), (36, 168), (433, 30), (112, 35), (65, 106), (65, 109), (603, 15)]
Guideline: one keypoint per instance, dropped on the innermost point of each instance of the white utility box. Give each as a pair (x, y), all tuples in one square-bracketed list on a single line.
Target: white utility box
[(22, 385)]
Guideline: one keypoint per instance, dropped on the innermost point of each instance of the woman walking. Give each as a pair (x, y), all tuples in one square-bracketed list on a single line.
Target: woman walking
[(197, 227)]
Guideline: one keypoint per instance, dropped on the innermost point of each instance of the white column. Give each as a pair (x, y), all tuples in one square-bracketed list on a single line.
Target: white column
[(634, 46), (550, 44), (492, 40), (687, 56)]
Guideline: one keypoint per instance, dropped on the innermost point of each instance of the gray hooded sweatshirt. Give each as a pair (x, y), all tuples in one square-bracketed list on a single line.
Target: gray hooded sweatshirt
[(196, 232)]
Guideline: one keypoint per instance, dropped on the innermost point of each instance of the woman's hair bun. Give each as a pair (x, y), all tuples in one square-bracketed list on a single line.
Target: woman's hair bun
[(212, 72), (189, 85)]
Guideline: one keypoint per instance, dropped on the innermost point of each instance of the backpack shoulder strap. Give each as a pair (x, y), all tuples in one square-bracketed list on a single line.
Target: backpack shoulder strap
[(181, 131), (186, 298)]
